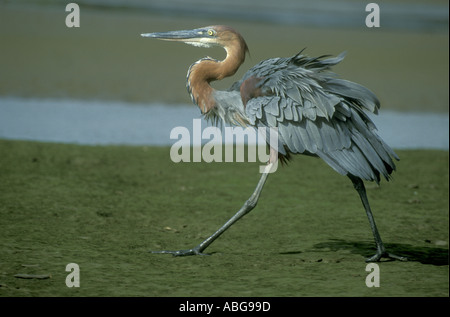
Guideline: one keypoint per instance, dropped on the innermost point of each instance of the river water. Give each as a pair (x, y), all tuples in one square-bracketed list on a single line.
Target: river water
[(407, 15), (106, 123)]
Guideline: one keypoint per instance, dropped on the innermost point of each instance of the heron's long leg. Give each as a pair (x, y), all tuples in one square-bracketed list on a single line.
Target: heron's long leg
[(381, 251), (245, 209)]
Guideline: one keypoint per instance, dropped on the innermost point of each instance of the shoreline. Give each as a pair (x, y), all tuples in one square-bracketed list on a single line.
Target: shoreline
[(96, 122)]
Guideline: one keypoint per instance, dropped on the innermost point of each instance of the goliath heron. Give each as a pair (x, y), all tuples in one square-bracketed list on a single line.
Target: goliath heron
[(315, 112)]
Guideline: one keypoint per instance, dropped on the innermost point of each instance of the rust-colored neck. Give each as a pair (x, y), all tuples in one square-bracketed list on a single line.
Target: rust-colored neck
[(206, 70)]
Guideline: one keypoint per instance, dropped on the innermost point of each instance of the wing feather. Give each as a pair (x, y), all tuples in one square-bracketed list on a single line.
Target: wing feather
[(318, 114)]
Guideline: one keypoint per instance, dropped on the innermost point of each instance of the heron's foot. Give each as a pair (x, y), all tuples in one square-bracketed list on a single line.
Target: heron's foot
[(193, 251), (383, 254)]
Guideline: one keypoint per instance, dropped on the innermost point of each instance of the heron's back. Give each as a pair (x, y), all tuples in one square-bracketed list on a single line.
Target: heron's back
[(318, 114)]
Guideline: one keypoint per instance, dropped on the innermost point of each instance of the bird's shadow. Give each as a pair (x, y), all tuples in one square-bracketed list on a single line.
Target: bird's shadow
[(424, 255)]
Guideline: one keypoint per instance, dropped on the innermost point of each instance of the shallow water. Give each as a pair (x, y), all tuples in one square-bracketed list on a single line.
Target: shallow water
[(104, 123), (342, 13)]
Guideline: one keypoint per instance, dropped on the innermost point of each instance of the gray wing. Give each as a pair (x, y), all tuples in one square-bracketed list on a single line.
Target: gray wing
[(318, 114)]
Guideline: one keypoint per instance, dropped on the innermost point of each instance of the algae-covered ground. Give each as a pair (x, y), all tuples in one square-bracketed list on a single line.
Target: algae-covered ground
[(104, 208)]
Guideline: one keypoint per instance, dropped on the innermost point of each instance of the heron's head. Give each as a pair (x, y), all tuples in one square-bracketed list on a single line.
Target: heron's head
[(216, 35)]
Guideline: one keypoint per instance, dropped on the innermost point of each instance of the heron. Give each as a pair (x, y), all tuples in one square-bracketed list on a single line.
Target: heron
[(315, 114)]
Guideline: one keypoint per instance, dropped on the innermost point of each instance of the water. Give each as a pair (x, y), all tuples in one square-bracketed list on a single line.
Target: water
[(404, 15), (325, 13), (107, 123)]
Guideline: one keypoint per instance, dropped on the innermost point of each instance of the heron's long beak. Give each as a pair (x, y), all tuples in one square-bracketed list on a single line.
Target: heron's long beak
[(184, 35)]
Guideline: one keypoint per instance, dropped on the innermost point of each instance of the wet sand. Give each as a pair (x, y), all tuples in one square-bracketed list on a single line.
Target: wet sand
[(107, 59)]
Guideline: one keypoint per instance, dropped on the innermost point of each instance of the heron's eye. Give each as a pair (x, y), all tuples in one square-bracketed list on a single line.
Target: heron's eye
[(211, 32)]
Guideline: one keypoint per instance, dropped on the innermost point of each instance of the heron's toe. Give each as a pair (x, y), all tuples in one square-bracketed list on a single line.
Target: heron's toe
[(193, 251), (379, 255)]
